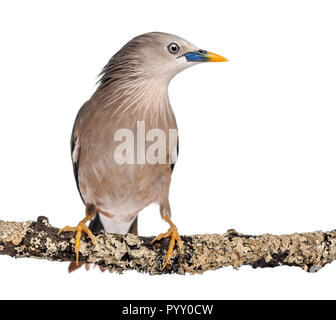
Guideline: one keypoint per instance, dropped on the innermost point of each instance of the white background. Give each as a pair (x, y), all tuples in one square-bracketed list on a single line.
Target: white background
[(257, 134)]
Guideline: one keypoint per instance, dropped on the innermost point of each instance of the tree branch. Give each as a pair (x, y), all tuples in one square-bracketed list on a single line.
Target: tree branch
[(310, 251)]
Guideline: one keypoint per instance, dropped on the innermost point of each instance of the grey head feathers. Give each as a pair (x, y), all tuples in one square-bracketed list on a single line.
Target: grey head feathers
[(146, 57), (135, 80)]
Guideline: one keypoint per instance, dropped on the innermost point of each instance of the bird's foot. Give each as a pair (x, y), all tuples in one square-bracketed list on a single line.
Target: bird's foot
[(174, 237), (81, 227)]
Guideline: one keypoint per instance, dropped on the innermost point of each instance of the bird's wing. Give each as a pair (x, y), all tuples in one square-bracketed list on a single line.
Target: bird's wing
[(95, 224), (76, 144), (177, 152), (75, 155)]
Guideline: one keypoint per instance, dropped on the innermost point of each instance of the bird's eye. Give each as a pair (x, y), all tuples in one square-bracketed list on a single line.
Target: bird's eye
[(173, 48)]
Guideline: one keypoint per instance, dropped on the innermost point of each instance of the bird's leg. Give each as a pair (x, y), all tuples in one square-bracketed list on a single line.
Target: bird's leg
[(174, 237), (81, 227)]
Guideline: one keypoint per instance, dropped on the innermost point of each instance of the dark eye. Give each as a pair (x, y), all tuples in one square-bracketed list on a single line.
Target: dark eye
[(173, 48)]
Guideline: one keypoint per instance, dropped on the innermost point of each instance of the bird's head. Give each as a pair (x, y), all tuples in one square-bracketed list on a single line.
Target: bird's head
[(160, 56)]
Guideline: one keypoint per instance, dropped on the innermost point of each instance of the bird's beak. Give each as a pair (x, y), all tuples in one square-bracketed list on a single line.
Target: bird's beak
[(203, 56)]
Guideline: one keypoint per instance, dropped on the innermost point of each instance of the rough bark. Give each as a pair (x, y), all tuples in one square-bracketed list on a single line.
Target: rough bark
[(310, 251)]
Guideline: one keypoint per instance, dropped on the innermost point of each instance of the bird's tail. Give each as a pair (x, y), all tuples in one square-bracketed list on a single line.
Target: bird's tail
[(134, 227), (95, 225)]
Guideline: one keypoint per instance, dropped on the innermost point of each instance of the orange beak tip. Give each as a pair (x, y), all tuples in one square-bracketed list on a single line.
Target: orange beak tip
[(213, 57)]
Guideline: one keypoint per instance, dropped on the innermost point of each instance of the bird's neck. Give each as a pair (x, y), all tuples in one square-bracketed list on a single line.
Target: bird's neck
[(142, 99)]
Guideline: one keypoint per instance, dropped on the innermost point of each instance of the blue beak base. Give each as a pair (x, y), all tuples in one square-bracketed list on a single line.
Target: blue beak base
[(203, 56), (196, 56)]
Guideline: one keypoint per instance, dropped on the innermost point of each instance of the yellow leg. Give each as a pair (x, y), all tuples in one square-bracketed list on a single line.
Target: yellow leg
[(81, 227), (174, 236)]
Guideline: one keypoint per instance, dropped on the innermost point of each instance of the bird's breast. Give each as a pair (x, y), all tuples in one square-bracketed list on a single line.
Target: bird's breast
[(125, 160)]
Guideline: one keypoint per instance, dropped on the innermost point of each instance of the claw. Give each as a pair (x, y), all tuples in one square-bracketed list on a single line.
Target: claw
[(174, 237), (81, 227)]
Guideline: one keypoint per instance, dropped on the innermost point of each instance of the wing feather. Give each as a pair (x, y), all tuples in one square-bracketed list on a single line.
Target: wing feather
[(75, 155), (177, 152)]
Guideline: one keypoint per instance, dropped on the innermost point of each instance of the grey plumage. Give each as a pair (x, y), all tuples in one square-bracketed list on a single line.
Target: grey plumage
[(133, 89), (134, 76)]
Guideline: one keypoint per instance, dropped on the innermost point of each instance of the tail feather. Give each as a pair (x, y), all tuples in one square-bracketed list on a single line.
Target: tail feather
[(134, 227), (95, 225)]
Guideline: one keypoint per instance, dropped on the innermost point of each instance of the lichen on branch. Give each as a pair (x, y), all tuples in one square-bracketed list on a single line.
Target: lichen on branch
[(118, 253)]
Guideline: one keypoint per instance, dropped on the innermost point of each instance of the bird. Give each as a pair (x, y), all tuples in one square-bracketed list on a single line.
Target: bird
[(115, 179)]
